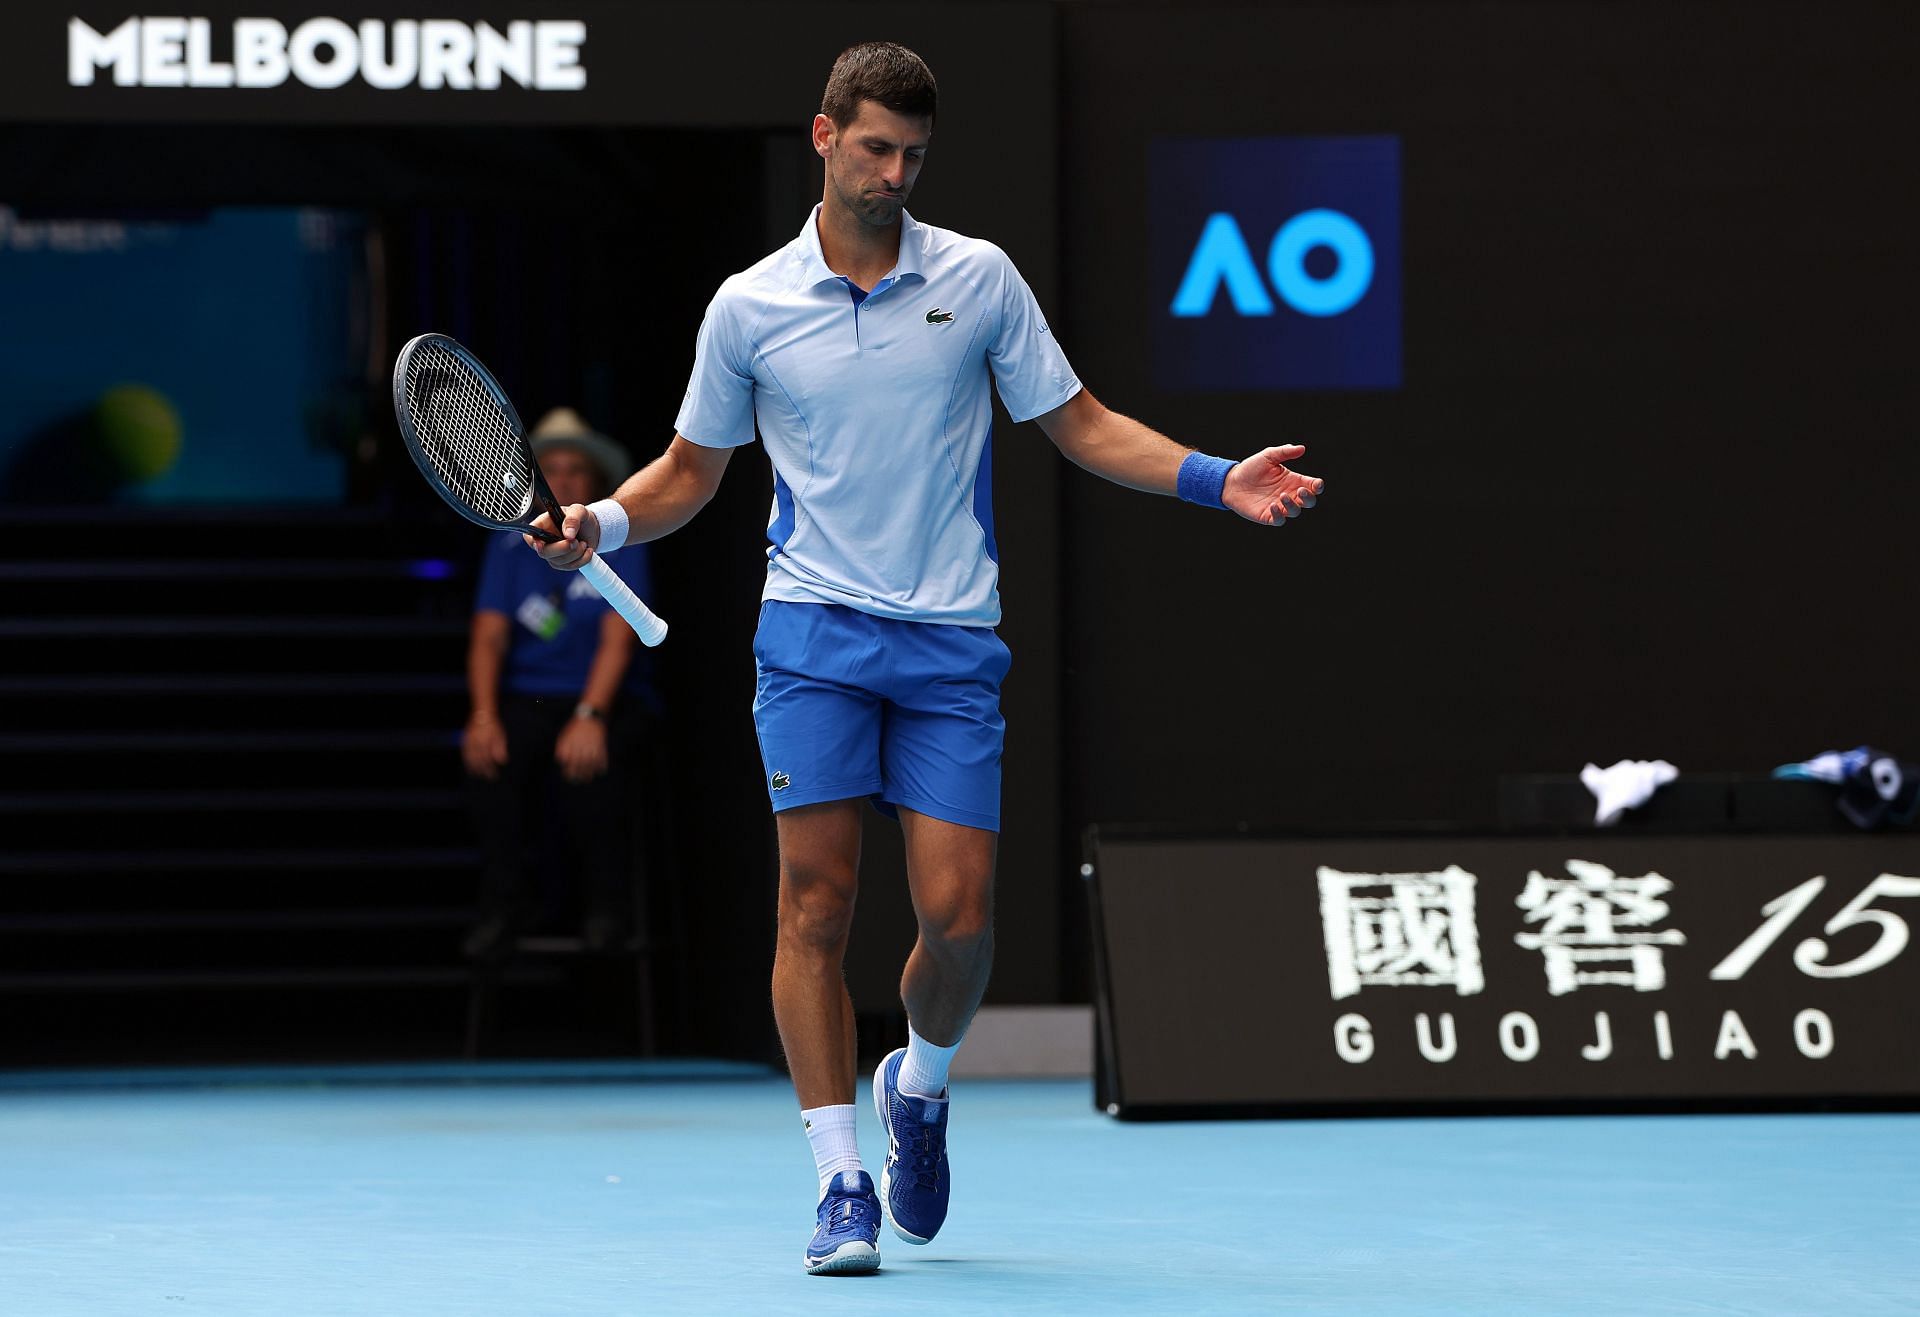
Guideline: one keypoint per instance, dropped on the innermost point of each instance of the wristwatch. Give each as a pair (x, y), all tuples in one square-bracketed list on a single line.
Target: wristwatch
[(585, 710)]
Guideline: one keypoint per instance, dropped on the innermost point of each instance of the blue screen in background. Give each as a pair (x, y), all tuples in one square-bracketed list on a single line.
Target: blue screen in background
[(218, 357), (1275, 263)]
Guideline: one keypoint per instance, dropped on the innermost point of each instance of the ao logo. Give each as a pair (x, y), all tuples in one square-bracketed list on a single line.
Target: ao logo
[(1222, 256)]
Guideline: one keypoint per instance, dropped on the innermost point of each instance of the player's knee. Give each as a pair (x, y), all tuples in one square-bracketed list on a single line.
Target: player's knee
[(816, 911), (961, 929), (820, 926)]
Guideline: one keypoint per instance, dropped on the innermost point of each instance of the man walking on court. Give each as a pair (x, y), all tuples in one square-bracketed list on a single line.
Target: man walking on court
[(865, 350)]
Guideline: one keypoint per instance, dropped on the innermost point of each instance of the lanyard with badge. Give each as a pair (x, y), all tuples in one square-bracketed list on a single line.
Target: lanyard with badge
[(546, 614), (542, 614)]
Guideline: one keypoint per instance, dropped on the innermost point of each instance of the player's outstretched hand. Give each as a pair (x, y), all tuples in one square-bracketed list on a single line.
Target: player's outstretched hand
[(1262, 489), (581, 531)]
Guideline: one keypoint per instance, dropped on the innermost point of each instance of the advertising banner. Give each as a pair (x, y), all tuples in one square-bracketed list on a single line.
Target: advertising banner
[(1403, 973), (1275, 263), (594, 62)]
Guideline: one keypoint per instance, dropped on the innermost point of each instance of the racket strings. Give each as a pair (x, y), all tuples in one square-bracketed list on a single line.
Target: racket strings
[(468, 437)]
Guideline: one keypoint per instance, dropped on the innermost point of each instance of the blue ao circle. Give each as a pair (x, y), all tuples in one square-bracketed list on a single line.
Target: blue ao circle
[(1287, 267)]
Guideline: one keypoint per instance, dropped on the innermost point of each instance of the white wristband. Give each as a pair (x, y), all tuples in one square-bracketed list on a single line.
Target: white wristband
[(613, 524)]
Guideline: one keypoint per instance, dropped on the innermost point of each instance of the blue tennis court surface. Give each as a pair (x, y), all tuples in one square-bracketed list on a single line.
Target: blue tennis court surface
[(609, 1191)]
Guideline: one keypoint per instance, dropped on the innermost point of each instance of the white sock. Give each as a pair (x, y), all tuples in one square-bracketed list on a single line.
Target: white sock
[(924, 1072), (835, 1149)]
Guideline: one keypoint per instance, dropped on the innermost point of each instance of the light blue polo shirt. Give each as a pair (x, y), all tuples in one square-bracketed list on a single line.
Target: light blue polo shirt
[(878, 416)]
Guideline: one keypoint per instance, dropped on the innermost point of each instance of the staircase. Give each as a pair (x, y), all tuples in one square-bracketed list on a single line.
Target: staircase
[(232, 811)]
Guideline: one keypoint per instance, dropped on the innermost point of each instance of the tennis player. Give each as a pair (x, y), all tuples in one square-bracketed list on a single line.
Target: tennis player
[(865, 351)]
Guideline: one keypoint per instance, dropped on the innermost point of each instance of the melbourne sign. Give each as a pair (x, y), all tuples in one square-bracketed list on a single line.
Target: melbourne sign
[(1682, 970), (1275, 263), (324, 53)]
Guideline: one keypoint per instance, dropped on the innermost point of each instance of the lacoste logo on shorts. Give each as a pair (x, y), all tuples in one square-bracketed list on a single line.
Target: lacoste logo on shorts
[(938, 317), (779, 781)]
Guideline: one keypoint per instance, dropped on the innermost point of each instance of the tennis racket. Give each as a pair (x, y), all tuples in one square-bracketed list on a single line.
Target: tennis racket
[(468, 442)]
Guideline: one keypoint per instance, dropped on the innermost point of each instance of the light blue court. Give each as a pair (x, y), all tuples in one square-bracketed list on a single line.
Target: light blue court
[(626, 1189)]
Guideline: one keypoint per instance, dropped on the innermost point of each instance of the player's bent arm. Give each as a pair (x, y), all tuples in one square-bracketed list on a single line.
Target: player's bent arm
[(1113, 446), (665, 494), (658, 499)]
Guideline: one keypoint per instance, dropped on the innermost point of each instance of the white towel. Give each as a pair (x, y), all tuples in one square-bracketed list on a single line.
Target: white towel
[(1628, 783)]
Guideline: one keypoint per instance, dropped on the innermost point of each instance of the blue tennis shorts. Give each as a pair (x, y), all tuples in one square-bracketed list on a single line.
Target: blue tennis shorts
[(907, 713)]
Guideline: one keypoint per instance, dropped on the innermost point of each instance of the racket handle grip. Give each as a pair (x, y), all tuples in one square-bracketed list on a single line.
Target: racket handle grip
[(603, 578)]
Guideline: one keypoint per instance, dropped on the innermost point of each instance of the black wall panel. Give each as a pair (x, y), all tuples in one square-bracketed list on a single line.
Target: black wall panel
[(1644, 491)]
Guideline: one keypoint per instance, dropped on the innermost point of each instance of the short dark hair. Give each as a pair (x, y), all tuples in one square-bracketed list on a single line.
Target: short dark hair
[(878, 71)]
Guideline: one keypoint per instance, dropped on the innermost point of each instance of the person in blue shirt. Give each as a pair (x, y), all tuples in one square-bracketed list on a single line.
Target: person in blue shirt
[(557, 700), (864, 354)]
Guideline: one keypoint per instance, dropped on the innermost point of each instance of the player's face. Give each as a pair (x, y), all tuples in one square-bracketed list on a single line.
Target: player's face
[(570, 475), (872, 162)]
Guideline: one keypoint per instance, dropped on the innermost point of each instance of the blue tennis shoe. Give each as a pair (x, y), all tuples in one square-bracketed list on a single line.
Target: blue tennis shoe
[(846, 1242), (915, 1183)]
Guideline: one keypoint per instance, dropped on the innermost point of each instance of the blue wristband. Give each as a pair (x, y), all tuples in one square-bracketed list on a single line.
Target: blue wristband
[(1202, 479)]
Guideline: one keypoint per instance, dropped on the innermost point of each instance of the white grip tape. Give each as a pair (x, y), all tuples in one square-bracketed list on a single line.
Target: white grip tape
[(649, 628)]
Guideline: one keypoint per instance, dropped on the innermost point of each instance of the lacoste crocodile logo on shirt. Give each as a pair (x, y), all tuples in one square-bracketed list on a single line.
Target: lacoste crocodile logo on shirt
[(938, 317), (780, 782)]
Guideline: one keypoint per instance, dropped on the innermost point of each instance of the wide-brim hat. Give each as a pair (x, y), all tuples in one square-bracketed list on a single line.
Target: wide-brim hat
[(563, 427)]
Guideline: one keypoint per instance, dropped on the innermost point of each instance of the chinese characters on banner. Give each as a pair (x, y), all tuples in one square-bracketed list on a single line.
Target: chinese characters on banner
[(1396, 928), (1592, 927), (1327, 974), (1589, 927)]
